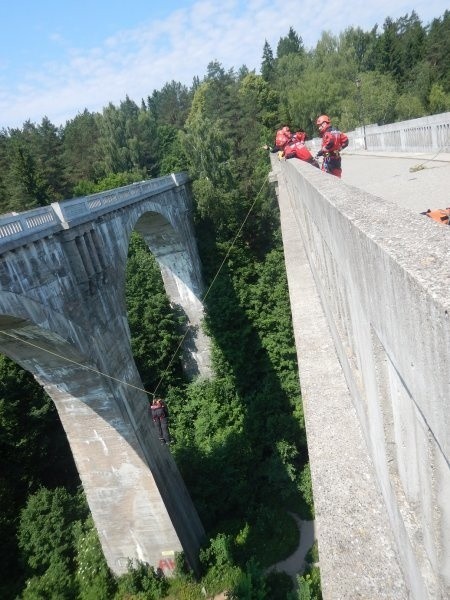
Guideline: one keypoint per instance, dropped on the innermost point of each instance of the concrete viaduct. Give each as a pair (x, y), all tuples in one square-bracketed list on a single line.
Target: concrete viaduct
[(369, 293), (63, 318), (369, 285)]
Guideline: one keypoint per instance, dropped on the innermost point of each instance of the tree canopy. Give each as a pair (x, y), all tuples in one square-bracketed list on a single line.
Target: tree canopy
[(239, 438)]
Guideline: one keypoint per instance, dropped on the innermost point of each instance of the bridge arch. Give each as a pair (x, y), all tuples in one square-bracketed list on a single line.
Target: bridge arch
[(63, 318)]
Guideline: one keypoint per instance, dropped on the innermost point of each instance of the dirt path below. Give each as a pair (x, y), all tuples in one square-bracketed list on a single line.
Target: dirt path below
[(294, 564)]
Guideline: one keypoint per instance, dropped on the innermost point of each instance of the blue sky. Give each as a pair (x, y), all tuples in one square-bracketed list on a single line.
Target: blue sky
[(59, 57)]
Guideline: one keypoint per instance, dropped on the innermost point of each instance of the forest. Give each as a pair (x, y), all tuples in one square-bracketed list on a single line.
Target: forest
[(239, 437)]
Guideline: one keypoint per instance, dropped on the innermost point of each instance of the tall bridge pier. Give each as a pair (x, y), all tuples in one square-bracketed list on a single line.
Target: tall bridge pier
[(63, 318)]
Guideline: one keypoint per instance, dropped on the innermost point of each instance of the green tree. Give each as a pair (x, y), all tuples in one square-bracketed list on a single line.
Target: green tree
[(27, 186), (94, 579), (290, 44), (126, 138), (408, 106), (81, 155), (437, 50), (389, 50), (47, 541), (268, 63), (155, 328), (170, 105), (49, 151), (141, 582), (44, 523), (439, 101)]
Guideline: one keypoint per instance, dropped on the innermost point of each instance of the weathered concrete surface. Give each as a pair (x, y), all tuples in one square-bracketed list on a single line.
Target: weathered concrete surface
[(414, 181), (374, 358), (63, 318)]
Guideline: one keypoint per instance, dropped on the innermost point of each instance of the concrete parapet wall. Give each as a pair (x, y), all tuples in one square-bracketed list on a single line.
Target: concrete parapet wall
[(383, 284)]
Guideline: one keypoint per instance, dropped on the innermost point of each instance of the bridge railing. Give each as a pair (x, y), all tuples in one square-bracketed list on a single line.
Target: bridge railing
[(14, 226), (425, 134), (35, 223), (74, 211)]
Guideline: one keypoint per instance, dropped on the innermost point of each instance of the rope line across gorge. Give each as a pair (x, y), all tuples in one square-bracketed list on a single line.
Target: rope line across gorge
[(116, 379)]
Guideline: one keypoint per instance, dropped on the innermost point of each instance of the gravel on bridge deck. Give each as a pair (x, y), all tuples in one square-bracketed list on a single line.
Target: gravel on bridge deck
[(415, 181)]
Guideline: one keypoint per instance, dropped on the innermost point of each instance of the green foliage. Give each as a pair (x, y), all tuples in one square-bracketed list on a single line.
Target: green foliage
[(217, 561), (291, 44), (409, 106), (239, 438), (312, 555), (80, 148), (93, 577), (33, 451), (268, 63), (56, 583), (309, 587), (306, 491), (439, 100), (155, 328), (141, 582), (44, 523), (270, 536), (250, 584), (110, 181), (170, 105), (279, 585)]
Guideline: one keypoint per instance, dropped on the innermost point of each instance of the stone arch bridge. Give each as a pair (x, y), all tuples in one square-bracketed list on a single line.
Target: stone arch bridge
[(369, 292), (63, 318)]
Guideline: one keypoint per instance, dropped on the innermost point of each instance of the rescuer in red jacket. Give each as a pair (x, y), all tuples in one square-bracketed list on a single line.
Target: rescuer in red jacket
[(282, 137), (296, 149), (333, 141)]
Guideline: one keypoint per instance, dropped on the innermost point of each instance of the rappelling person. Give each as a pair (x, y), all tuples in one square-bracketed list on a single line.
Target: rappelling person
[(333, 141), (160, 417)]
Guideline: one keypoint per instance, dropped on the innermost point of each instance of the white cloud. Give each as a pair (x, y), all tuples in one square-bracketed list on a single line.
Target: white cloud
[(134, 62)]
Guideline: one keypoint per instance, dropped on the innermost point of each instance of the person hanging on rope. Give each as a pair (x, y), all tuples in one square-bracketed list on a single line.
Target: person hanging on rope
[(160, 417), (333, 141)]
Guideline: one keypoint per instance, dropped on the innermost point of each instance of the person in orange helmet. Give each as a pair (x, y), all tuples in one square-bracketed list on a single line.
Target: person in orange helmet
[(333, 141), (282, 137)]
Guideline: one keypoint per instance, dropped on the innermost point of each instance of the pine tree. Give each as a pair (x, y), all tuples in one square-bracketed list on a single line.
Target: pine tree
[(268, 63)]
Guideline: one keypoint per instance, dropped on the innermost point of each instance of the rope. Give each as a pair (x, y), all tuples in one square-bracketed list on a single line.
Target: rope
[(72, 361), (420, 166), (215, 276), (97, 371)]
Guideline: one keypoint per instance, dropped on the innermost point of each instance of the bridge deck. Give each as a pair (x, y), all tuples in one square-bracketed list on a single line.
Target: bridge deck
[(395, 176)]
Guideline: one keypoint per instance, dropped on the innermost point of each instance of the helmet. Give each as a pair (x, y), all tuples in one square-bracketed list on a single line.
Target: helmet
[(299, 136), (323, 122)]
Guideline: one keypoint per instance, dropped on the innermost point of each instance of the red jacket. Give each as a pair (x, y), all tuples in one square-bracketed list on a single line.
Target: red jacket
[(298, 150), (333, 141), (282, 138)]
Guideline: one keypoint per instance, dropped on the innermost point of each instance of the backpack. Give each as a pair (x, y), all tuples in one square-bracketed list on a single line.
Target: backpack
[(441, 215)]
